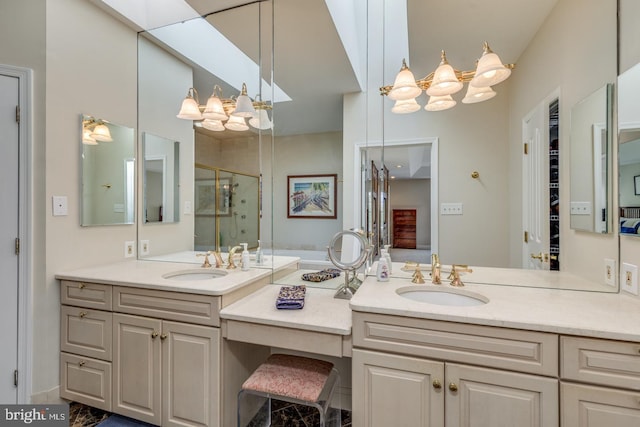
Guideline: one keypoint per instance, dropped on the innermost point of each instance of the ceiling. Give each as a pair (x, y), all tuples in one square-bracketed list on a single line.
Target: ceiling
[(312, 67)]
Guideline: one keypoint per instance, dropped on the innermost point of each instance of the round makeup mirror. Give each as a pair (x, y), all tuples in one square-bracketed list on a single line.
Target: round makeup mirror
[(348, 251)]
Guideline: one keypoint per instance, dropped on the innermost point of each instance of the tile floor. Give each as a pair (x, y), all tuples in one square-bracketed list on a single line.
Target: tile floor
[(283, 415)]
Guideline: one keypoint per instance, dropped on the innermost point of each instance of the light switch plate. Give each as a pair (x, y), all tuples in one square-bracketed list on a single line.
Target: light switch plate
[(610, 271), (129, 249), (451, 209), (187, 207), (629, 278)]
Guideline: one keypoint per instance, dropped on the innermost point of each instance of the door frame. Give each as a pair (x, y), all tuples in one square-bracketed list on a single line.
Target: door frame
[(25, 194), (433, 142)]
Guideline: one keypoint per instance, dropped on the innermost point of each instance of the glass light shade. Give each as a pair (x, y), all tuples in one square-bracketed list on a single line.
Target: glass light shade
[(405, 106), (439, 103), (244, 106), (478, 94), (214, 125), (261, 120), (101, 133), (236, 123), (214, 109), (445, 81), (87, 139), (490, 70), (189, 110), (404, 87)]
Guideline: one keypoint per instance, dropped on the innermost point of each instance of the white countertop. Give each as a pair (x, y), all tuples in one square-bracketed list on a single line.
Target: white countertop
[(148, 274), (321, 312), (573, 312)]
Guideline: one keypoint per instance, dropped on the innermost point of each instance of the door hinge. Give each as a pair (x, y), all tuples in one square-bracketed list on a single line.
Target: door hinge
[(17, 114), (526, 148), (17, 246), (526, 237), (15, 378)]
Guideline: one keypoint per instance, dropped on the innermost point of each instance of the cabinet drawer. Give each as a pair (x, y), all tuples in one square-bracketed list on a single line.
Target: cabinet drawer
[(85, 380), (86, 332), (524, 351), (613, 363), (584, 405), (81, 294), (190, 308)]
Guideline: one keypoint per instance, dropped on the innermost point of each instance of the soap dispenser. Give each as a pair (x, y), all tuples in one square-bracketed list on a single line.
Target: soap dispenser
[(259, 254), (387, 255), (245, 257), (382, 273)]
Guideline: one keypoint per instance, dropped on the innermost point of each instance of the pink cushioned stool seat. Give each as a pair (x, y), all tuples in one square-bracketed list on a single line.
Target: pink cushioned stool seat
[(295, 379)]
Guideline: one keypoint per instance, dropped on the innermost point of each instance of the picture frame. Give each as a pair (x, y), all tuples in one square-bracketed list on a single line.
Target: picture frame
[(205, 197), (312, 196), (636, 185)]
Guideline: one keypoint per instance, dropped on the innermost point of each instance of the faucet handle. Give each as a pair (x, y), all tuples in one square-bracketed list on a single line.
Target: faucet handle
[(206, 263), (454, 276)]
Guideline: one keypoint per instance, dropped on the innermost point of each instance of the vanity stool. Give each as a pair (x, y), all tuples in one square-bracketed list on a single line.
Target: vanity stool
[(293, 379)]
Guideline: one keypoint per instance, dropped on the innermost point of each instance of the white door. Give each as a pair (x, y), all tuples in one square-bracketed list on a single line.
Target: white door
[(9, 159), (535, 192)]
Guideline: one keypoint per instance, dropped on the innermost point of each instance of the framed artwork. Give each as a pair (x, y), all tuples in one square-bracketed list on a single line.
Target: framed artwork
[(312, 196), (636, 185), (205, 197), (225, 193)]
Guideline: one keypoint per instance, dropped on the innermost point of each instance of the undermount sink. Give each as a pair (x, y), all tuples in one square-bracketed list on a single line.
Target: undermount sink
[(200, 274), (442, 296)]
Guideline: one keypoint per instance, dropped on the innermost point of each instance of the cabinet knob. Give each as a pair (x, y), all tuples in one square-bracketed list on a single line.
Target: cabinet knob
[(437, 385), (82, 314), (81, 286), (453, 387), (163, 336), (81, 363), (154, 335)]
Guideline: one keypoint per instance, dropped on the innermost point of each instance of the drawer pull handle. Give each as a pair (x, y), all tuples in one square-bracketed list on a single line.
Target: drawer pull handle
[(154, 335), (81, 363), (82, 314), (163, 337), (437, 385), (453, 387), (81, 286)]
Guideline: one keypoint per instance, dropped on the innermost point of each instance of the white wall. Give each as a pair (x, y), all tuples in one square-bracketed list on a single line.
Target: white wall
[(569, 55)]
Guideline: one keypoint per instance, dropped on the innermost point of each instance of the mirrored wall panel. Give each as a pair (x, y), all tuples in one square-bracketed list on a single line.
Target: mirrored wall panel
[(108, 172), (161, 179), (629, 151)]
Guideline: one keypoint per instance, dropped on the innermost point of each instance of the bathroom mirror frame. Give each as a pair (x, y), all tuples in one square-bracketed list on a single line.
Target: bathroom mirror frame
[(590, 205), (108, 173)]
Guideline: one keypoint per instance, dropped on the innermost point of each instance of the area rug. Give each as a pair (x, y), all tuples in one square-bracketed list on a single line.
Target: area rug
[(116, 420)]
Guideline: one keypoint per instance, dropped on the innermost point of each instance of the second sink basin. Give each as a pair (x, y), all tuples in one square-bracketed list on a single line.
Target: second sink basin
[(442, 296), (195, 274)]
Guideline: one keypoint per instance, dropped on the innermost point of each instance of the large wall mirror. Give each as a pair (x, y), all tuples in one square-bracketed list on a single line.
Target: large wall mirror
[(108, 172), (590, 165), (161, 179)]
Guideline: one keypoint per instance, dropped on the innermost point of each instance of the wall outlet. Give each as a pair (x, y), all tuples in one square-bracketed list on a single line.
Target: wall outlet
[(187, 207), (610, 271), (144, 247), (451, 209), (629, 278), (129, 249), (59, 205)]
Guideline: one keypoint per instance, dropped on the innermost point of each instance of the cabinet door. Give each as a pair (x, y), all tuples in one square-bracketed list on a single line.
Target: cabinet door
[(190, 368), (397, 391), (489, 397), (136, 365), (588, 406)]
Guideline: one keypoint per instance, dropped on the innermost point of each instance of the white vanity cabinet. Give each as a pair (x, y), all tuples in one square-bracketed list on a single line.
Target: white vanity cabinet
[(147, 354), (600, 382), (417, 372)]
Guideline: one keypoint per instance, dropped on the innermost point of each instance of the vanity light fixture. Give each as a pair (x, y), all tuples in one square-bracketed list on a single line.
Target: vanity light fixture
[(219, 109), (446, 81), (95, 131)]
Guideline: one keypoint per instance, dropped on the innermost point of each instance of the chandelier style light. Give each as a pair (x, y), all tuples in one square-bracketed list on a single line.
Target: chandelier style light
[(95, 131), (446, 81), (232, 111)]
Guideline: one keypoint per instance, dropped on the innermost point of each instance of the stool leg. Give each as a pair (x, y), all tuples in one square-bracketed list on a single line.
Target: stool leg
[(254, 410)]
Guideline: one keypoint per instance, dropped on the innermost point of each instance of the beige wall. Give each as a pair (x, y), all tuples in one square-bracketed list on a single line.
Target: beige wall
[(561, 57)]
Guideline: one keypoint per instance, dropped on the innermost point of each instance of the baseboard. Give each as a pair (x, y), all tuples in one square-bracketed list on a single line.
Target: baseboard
[(48, 397)]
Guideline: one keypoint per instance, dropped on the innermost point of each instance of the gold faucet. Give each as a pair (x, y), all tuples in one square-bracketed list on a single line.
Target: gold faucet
[(230, 264), (454, 276), (206, 263), (435, 270), (218, 258)]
